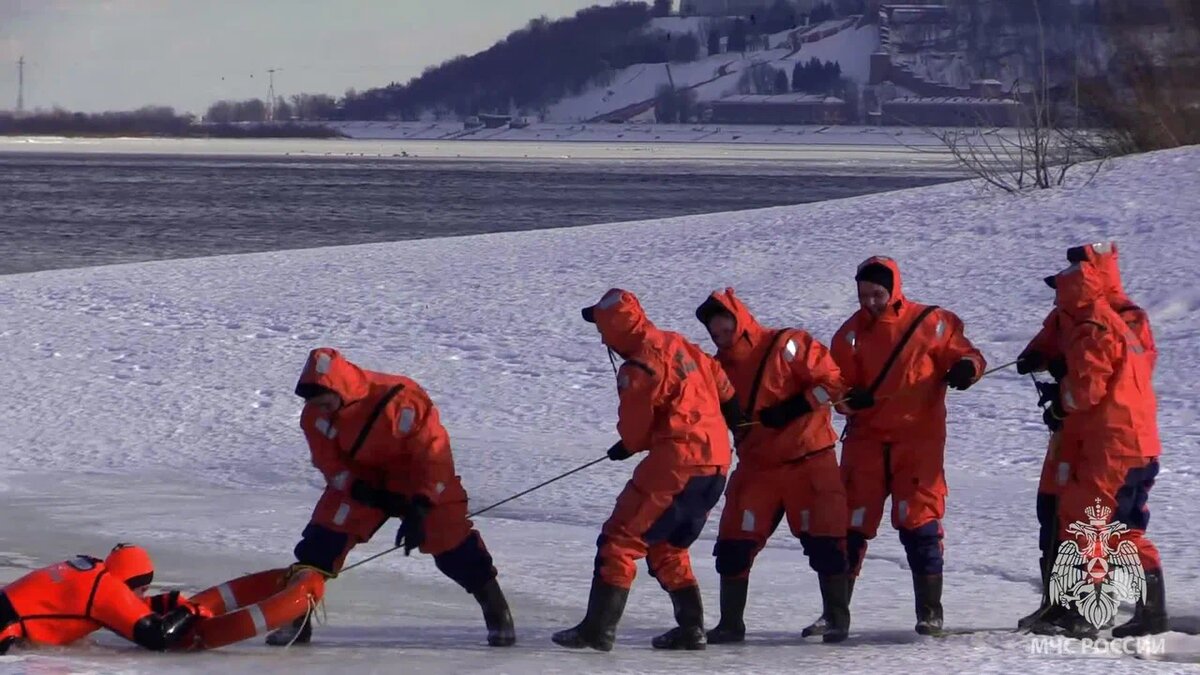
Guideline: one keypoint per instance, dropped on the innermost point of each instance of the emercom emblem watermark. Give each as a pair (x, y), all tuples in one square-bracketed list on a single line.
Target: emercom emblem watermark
[(1147, 645), (1098, 569)]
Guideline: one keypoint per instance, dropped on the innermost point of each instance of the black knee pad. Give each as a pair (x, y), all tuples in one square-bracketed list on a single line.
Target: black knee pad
[(320, 547), (598, 563), (734, 556), (856, 550), (923, 546), (1047, 513), (469, 564), (826, 555), (1133, 496)]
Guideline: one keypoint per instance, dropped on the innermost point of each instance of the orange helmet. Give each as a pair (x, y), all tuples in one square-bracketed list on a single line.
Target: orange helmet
[(131, 564)]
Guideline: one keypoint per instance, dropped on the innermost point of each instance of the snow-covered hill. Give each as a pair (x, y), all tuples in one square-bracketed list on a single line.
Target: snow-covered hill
[(713, 77)]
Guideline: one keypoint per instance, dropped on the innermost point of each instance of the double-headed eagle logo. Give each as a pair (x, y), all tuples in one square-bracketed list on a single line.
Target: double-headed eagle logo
[(1094, 575)]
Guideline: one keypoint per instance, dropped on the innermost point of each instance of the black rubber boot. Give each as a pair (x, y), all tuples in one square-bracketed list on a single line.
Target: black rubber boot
[(732, 626), (1028, 620), (822, 624), (1059, 620), (928, 591), (598, 629), (835, 593), (496, 615), (1150, 617), (299, 633), (689, 614)]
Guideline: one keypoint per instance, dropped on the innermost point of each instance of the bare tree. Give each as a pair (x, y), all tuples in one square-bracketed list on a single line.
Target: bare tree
[(1047, 140), (1147, 90)]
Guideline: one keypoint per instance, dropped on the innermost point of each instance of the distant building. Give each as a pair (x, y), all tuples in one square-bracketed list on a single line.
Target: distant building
[(494, 121), (956, 111), (779, 109), (722, 7)]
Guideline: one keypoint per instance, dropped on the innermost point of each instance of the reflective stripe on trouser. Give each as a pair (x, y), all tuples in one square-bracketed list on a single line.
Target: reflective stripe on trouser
[(808, 493), (911, 473)]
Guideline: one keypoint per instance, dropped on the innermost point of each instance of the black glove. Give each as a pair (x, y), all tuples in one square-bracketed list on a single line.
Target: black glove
[(412, 529), (781, 414), (163, 602), (1048, 392), (961, 375), (393, 504), (1050, 395), (618, 452), (176, 624), (1029, 362), (1052, 421), (1057, 368), (731, 410), (860, 399)]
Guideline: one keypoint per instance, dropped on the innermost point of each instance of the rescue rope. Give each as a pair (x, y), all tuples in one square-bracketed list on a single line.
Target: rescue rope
[(901, 393), (488, 508)]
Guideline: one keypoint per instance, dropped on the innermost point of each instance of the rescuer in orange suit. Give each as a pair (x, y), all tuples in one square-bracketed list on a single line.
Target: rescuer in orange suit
[(676, 405), (787, 464), (378, 441), (898, 357), (1107, 407), (1045, 352)]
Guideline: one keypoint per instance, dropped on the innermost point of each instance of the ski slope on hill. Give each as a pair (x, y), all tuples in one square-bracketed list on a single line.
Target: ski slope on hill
[(152, 403), (713, 77)]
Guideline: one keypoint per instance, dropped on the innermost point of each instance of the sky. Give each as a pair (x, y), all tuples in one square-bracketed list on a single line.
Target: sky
[(94, 55)]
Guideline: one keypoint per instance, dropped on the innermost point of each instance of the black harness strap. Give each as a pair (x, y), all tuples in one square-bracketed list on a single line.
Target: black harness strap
[(895, 355), (809, 455), (379, 408), (762, 369), (91, 597)]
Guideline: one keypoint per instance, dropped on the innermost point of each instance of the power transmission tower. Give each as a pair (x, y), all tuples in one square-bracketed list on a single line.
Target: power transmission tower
[(271, 93), (21, 84)]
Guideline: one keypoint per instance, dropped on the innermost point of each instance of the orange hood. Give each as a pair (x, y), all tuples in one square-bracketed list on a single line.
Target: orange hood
[(897, 300), (1106, 258), (130, 564), (621, 320), (747, 332), (327, 370), (1078, 286)]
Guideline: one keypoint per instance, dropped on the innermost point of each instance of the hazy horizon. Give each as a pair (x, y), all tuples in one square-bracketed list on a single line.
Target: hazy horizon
[(123, 54)]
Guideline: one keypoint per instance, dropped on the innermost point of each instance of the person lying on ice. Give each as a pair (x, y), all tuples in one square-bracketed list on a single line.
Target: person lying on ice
[(381, 446), (61, 603)]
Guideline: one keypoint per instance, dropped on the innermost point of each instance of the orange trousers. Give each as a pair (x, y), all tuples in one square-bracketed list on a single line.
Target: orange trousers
[(911, 472), (809, 493), (339, 523), (658, 515), (1120, 484)]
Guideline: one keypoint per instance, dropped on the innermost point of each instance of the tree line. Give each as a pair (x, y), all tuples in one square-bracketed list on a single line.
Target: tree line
[(145, 121)]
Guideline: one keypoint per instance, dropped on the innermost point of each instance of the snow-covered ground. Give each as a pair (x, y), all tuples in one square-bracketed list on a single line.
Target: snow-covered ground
[(152, 403), (659, 142), (707, 134)]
